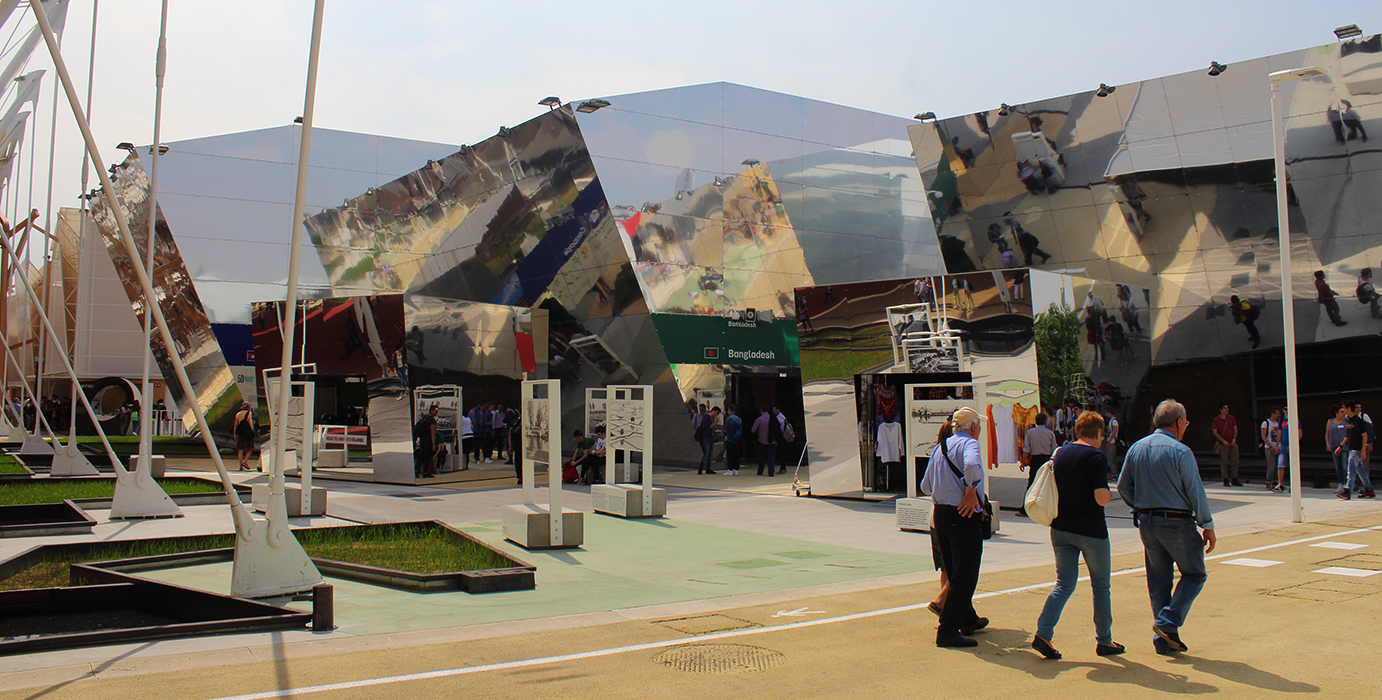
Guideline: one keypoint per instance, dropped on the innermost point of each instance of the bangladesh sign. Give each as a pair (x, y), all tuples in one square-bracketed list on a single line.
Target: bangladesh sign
[(715, 340)]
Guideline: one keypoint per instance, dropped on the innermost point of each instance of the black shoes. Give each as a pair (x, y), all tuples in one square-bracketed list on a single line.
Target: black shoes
[(1047, 651), (1235, 482), (1113, 649), (1169, 636), (954, 641), (978, 624)]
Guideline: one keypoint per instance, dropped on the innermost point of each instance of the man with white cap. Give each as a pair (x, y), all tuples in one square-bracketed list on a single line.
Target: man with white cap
[(955, 480)]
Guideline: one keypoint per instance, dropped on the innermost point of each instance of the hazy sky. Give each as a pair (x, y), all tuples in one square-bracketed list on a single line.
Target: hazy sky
[(454, 72)]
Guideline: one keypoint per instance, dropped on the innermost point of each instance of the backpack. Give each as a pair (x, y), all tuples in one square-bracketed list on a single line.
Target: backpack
[(1365, 292), (1043, 500), (788, 433), (699, 421)]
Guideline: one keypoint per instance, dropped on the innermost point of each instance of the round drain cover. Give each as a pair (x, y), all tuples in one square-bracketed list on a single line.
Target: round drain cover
[(719, 658)]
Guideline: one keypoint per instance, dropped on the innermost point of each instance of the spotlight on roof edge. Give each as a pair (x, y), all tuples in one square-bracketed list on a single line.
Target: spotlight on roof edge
[(591, 105), (297, 120), (1004, 109), (1105, 90), (125, 146), (1347, 31), (925, 116), (505, 131), (162, 149), (750, 162), (1296, 74), (550, 102), (1215, 68)]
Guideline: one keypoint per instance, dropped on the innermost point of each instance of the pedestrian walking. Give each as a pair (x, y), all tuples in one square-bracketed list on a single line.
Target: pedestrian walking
[(955, 481), (1161, 482), (767, 431), (1080, 530), (1038, 444), (1270, 435), (1357, 447), (734, 436), (1336, 439)]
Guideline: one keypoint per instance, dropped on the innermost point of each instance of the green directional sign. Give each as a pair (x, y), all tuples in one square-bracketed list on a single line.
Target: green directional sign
[(690, 339)]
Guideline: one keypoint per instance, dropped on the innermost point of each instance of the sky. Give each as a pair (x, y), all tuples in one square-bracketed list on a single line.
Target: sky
[(454, 72)]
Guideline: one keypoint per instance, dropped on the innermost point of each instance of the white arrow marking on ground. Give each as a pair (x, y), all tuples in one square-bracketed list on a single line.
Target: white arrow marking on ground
[(799, 612)]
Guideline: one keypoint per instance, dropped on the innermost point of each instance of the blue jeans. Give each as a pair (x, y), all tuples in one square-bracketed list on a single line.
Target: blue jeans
[(1167, 542), (1356, 472), (1341, 467), (1098, 557), (706, 447)]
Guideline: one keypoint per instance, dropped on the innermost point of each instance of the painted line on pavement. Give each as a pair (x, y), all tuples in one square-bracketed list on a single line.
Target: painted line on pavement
[(611, 651)]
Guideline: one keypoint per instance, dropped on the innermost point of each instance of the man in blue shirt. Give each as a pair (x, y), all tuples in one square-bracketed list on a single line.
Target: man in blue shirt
[(957, 528), (1161, 482)]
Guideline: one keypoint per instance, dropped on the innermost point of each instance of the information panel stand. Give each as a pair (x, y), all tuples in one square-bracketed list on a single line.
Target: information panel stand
[(530, 525), (928, 406), (628, 429)]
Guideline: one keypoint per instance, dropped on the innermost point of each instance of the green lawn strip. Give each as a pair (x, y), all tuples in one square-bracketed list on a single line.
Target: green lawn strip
[(56, 490), (10, 465), (416, 548), (839, 364), (163, 444)]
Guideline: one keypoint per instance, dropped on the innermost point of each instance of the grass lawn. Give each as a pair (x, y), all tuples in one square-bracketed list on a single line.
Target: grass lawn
[(55, 490), (163, 444), (10, 465), (839, 364), (419, 548)]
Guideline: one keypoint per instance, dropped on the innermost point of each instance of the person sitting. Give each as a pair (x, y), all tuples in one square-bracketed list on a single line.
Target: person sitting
[(592, 465)]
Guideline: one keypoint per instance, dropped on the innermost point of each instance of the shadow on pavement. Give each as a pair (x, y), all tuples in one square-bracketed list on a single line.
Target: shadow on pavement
[(1012, 649), (1239, 672)]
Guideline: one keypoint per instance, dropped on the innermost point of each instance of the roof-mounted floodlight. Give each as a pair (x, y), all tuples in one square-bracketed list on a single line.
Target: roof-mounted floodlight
[(1216, 68), (126, 146), (750, 162), (297, 120), (504, 131), (1004, 109), (1347, 31), (1105, 90), (925, 116), (591, 105), (162, 149), (550, 102)]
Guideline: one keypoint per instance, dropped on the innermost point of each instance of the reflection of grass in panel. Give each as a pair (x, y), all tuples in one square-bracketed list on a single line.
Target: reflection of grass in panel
[(10, 465), (872, 331), (419, 548), (839, 364), (55, 490), (358, 270)]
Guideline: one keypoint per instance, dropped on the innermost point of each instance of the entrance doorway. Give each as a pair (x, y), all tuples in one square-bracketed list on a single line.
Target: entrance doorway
[(754, 390)]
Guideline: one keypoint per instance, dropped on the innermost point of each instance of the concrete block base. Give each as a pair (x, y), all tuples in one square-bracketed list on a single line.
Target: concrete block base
[(156, 465), (529, 527), (626, 500), (259, 497), (331, 458)]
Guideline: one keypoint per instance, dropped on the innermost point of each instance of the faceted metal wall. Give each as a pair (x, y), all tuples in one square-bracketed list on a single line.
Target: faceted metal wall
[(1168, 184)]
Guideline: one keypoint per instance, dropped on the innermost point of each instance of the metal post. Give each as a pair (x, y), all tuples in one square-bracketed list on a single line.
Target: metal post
[(1288, 312), (146, 423), (323, 608)]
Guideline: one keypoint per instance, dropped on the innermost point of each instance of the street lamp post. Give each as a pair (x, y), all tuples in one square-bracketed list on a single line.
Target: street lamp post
[(1288, 312)]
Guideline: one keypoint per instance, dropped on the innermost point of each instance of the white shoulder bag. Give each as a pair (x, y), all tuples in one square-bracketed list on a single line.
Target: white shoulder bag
[(1043, 501)]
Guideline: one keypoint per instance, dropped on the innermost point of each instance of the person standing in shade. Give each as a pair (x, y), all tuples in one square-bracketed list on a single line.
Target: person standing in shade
[(245, 432), (1111, 443), (1328, 298), (734, 435), (468, 444), (1270, 434), (1357, 447), (1081, 472), (425, 434), (1225, 430), (1038, 444), (707, 433), (1161, 482), (1336, 439), (767, 431), (957, 527)]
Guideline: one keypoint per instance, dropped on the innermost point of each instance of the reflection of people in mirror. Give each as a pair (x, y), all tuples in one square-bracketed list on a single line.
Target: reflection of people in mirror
[(1326, 297), (1246, 314), (1354, 124)]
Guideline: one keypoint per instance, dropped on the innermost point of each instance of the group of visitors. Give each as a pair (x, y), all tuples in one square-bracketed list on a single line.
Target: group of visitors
[(491, 425), (769, 429), (488, 431), (1159, 480), (1104, 333)]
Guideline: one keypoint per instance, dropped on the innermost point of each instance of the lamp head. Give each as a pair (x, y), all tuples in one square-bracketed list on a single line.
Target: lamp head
[(1105, 90), (1215, 68), (591, 105), (1347, 31)]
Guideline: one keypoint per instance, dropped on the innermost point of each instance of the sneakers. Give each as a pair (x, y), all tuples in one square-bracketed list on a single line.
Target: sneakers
[(489, 461), (1272, 487), (1278, 489), (1235, 482), (978, 624), (1226, 483), (1343, 495), (1369, 494)]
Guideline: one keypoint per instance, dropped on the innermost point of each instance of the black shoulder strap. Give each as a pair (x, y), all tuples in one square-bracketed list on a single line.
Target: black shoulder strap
[(959, 474)]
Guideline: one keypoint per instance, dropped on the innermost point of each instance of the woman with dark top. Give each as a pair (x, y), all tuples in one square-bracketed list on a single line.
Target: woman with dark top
[(1081, 472)]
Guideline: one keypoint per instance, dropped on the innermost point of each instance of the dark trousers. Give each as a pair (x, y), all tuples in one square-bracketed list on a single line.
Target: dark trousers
[(1036, 463), (960, 542), (422, 459), (732, 449), (468, 447), (1252, 330), (767, 456), (484, 444)]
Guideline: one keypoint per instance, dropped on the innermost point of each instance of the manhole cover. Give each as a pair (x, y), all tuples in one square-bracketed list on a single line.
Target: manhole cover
[(719, 658)]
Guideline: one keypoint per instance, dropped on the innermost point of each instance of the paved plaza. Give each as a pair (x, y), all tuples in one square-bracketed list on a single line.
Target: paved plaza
[(741, 591)]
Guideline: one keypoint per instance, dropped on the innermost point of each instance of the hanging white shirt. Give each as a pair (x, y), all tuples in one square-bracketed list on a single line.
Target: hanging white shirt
[(889, 442)]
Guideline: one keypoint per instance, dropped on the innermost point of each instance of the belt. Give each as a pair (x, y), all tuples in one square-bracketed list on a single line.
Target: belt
[(1168, 513), (944, 506)]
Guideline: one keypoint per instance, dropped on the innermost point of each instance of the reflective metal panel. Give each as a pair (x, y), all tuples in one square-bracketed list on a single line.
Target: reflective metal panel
[(217, 395)]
